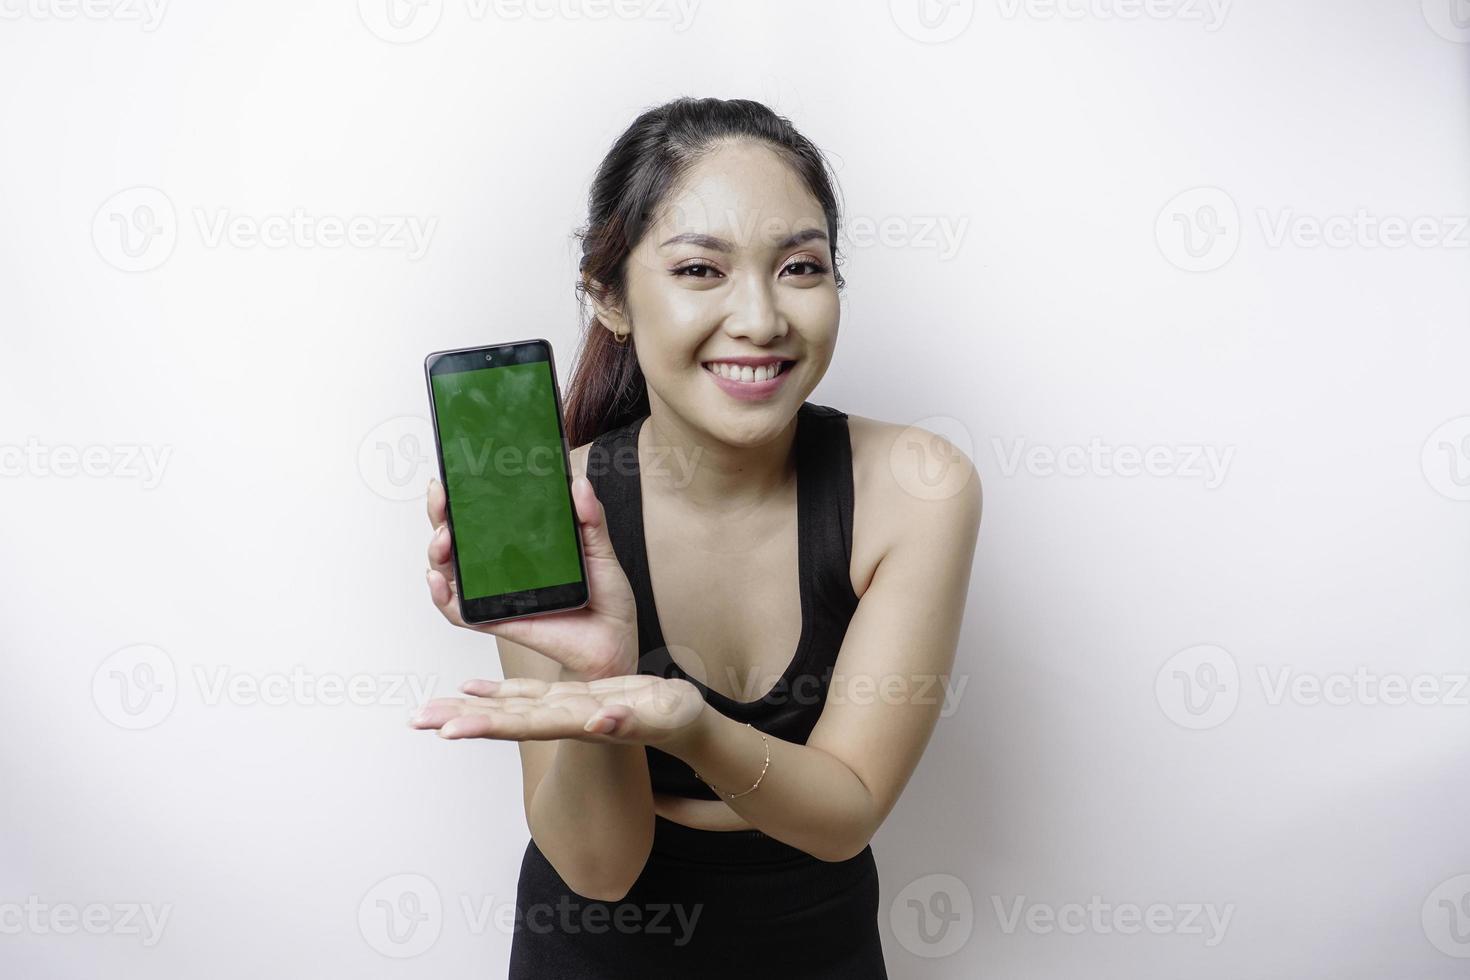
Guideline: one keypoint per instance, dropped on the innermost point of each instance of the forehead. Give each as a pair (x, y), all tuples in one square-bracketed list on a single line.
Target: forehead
[(743, 192)]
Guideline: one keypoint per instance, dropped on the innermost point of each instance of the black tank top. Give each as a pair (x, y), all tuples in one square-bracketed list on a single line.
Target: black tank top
[(824, 508)]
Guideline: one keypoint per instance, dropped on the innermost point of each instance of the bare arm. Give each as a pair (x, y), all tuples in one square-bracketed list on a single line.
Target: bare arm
[(587, 800), (826, 797), (829, 796), (589, 805)]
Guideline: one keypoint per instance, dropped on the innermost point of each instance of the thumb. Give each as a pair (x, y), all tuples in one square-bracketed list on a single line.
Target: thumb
[(596, 542)]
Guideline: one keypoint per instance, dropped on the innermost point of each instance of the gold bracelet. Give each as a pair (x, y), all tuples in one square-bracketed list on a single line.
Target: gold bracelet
[(734, 796)]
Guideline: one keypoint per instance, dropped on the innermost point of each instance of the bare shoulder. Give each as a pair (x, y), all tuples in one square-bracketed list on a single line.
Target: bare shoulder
[(909, 481)]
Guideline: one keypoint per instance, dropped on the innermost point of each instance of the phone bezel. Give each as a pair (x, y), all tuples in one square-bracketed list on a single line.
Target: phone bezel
[(531, 602)]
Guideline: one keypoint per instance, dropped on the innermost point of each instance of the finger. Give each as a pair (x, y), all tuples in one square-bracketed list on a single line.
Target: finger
[(437, 712), (433, 715), (441, 551), (442, 591), (435, 502), (546, 724), (471, 705), (512, 687)]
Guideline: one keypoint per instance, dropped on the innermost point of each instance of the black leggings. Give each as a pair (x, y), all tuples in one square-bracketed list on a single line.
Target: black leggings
[(711, 904)]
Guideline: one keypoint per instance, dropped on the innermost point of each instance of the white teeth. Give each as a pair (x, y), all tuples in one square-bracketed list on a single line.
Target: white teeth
[(736, 372)]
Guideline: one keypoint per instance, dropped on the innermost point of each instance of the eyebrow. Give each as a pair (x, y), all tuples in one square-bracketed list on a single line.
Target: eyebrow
[(720, 245)]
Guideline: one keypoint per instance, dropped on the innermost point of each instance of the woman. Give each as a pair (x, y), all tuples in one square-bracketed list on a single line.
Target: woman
[(700, 798)]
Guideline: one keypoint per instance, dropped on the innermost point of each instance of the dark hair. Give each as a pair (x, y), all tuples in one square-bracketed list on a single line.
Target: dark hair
[(607, 388)]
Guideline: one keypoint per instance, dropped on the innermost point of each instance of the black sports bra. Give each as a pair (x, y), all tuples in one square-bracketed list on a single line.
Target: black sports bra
[(824, 490)]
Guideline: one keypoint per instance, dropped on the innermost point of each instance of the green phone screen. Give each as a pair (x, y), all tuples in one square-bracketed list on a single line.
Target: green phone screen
[(514, 527)]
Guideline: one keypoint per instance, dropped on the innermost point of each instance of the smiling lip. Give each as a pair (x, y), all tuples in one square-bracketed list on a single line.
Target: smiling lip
[(749, 390)]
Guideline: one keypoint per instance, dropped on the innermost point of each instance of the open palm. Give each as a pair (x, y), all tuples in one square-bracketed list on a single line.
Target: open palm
[(636, 708)]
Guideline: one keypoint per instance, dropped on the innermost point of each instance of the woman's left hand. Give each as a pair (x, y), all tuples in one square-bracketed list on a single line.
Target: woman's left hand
[(636, 708)]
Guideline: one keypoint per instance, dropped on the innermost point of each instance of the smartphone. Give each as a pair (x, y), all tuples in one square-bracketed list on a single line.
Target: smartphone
[(503, 461)]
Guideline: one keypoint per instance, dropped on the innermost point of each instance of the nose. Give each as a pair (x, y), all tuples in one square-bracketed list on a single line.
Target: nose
[(753, 312)]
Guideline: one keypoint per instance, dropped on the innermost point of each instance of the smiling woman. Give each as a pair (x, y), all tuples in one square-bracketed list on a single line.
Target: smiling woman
[(692, 784)]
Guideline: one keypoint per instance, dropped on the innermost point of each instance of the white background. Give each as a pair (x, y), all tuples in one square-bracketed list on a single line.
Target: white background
[(1083, 303)]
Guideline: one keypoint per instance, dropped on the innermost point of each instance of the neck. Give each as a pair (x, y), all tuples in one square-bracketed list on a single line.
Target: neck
[(677, 459)]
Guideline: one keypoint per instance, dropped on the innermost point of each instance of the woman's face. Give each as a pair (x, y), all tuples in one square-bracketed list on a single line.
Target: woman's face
[(737, 265)]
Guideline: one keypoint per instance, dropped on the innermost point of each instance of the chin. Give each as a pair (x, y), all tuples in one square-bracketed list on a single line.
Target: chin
[(750, 424)]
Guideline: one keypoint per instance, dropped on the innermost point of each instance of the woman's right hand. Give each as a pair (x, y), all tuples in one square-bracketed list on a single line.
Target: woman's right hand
[(599, 640)]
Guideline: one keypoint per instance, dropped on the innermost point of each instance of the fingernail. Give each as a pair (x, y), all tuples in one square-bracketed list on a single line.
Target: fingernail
[(600, 724)]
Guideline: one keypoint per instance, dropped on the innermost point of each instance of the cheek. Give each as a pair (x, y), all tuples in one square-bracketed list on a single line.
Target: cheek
[(660, 306), (815, 313)]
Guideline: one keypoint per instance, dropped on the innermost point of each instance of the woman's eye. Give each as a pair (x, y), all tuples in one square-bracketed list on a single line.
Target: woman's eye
[(814, 267), (684, 270)]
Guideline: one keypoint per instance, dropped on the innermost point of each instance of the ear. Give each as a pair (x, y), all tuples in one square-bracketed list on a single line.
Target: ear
[(609, 315)]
